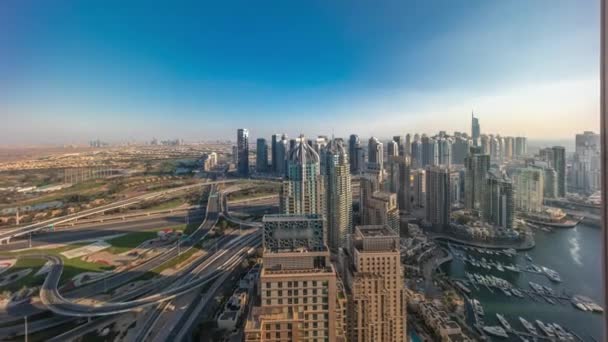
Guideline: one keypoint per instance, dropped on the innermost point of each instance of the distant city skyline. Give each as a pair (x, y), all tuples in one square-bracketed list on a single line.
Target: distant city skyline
[(70, 73)]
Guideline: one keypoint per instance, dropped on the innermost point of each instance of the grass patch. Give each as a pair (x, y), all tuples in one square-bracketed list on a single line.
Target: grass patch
[(29, 280), (129, 241), (170, 204)]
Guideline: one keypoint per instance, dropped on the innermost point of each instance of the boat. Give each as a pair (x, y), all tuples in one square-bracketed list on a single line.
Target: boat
[(512, 268), (549, 300), (529, 326), (561, 333), (580, 306), (504, 322), (506, 291), (478, 307), (461, 286), (553, 275), (517, 293), (528, 257), (537, 288), (510, 252), (546, 329), (499, 267), (495, 331)]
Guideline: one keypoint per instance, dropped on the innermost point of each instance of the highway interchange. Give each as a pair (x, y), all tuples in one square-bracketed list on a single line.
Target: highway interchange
[(210, 269)]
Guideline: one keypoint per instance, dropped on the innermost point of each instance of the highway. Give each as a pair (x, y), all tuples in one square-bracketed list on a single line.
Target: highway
[(8, 234), (100, 230)]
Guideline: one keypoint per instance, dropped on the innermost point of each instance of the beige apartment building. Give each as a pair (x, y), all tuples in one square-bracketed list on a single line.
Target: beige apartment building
[(376, 309)]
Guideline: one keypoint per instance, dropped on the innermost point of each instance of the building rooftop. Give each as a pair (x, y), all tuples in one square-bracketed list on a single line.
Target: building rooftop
[(375, 231)]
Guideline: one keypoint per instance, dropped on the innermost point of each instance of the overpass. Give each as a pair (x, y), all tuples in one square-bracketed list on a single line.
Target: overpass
[(7, 235)]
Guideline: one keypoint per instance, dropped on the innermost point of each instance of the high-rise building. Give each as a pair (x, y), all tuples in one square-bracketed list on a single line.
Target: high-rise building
[(508, 147), (339, 194), (529, 185), (484, 143), (521, 146), (353, 144), (242, 146), (416, 151), (393, 149), (559, 164), (375, 286), (303, 190), (477, 165), (407, 148), (498, 208), (438, 198), (460, 149), (375, 154), (430, 151), (444, 151), (273, 151), (298, 287), (455, 191), (587, 141), (282, 151), (400, 144), (261, 155), (399, 181), (418, 188), (475, 130), (585, 175), (377, 206)]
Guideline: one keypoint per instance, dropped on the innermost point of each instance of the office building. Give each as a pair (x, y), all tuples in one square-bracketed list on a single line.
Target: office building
[(455, 188), (353, 145), (209, 161), (282, 151), (559, 164), (460, 149), (508, 145), (438, 198), (375, 286), (430, 151), (242, 146), (416, 153), (521, 146), (393, 149), (399, 180), (303, 190), (377, 206), (375, 154), (400, 144), (477, 165), (407, 148), (498, 207), (273, 151), (475, 129), (261, 155), (529, 184), (338, 194), (418, 177), (444, 151)]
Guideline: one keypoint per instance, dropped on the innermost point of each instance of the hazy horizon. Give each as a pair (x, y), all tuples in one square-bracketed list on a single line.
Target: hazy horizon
[(74, 72)]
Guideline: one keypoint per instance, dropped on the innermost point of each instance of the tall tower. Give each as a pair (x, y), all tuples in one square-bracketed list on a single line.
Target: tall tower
[(242, 151), (498, 207), (273, 151), (375, 287), (353, 145), (399, 180), (529, 182), (339, 194), (303, 189), (261, 155), (559, 164), (375, 154), (477, 165), (475, 129), (438, 199)]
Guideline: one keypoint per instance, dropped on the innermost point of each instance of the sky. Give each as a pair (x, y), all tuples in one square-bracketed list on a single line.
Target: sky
[(72, 71)]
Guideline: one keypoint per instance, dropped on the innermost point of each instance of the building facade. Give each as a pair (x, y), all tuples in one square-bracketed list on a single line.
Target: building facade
[(242, 151)]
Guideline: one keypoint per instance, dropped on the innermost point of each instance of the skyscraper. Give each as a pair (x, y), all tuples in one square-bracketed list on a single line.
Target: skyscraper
[(339, 194), (521, 146), (508, 147), (460, 149), (477, 165), (498, 207), (444, 151), (430, 151), (353, 145), (407, 148), (559, 164), (418, 188), (375, 287), (475, 129), (375, 154), (400, 143), (529, 183), (416, 151), (298, 287), (393, 148), (438, 198), (261, 160), (273, 151), (399, 180), (303, 191), (280, 162), (377, 206), (242, 147)]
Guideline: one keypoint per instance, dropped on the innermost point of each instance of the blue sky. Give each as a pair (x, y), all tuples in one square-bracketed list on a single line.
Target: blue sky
[(77, 70)]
